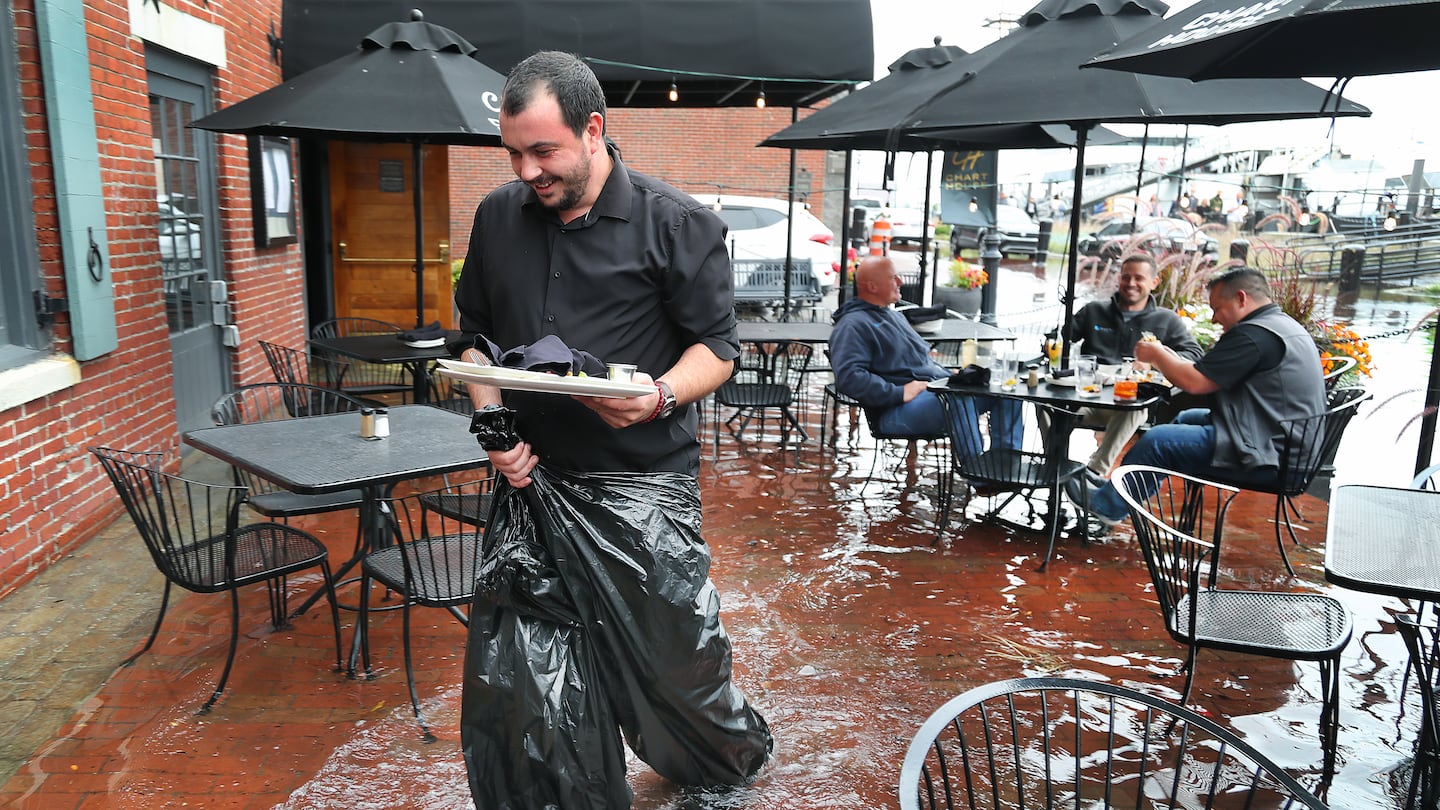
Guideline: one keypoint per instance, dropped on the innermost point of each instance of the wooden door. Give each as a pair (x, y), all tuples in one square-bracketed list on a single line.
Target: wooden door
[(373, 222)]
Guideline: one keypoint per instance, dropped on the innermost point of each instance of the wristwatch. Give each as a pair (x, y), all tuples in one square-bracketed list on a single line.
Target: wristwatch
[(667, 401)]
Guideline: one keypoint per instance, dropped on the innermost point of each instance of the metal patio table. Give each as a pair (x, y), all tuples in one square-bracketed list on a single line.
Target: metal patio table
[(1384, 540), (391, 349), (318, 454), (1067, 400)]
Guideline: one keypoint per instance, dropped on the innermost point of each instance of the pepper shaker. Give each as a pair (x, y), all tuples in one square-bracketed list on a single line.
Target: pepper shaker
[(367, 423), (1032, 375)]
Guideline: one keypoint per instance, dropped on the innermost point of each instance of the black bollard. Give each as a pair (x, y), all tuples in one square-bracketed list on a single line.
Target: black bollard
[(990, 258), (1352, 259), (1240, 249), (1042, 242)]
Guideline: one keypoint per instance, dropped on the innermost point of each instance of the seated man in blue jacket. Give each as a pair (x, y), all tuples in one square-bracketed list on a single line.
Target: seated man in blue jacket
[(883, 363)]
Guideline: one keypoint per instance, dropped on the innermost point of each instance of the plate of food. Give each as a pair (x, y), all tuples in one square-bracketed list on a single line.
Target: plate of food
[(515, 379)]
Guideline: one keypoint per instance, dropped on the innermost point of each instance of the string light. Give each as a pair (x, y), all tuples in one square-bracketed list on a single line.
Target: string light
[(1390, 223), (974, 205), (674, 91), (760, 99)]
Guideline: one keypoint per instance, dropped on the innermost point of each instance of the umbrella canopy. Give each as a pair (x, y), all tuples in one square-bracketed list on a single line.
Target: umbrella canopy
[(407, 81), (410, 82), (1032, 75), (719, 53), (869, 119), (1216, 39)]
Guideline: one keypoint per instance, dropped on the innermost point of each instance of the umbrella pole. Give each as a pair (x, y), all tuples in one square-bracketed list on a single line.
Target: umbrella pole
[(790, 224), (845, 236), (1139, 179), (925, 228), (1073, 260), (417, 159)]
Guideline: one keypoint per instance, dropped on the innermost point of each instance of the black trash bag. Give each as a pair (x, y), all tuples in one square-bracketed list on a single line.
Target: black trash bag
[(595, 616)]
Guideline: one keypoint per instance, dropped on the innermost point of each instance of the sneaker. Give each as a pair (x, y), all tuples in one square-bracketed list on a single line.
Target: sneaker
[(1079, 489), (1096, 480)]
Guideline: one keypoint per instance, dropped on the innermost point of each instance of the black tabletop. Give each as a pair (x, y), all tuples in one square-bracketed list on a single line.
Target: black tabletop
[(326, 454), (819, 331), (382, 348), (1384, 540), (1063, 396)]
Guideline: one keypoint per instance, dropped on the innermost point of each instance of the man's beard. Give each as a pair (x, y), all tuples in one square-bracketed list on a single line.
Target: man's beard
[(572, 188)]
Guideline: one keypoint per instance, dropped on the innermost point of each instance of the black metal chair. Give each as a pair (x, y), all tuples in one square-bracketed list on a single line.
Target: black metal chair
[(831, 401), (1038, 465), (1422, 641), (434, 563), (1171, 513), (265, 402), (193, 532), (367, 379), (1061, 742), (1309, 446), (769, 378), (291, 365)]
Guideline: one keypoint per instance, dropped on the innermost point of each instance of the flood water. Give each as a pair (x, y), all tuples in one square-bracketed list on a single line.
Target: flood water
[(850, 623)]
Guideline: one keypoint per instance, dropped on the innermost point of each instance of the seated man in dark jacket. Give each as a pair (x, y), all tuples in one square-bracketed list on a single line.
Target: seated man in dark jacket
[(1110, 329), (882, 362)]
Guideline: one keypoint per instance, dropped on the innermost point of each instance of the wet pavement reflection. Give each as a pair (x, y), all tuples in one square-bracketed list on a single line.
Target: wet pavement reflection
[(850, 624)]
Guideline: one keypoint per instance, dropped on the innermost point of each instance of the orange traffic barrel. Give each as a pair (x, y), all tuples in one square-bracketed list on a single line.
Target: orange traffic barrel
[(880, 237)]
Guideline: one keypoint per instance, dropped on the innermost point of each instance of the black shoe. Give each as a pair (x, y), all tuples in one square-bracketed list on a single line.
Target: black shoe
[(1080, 490), (1096, 480)]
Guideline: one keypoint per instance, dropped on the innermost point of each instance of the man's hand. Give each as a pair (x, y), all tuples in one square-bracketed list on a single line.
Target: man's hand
[(914, 387), (617, 412), (515, 464)]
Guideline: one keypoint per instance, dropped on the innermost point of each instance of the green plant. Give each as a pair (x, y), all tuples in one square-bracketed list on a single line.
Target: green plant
[(455, 265), (966, 276)]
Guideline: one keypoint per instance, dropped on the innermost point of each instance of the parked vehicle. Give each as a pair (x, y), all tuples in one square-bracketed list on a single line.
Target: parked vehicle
[(757, 231), (1167, 233), (179, 238), (1019, 234)]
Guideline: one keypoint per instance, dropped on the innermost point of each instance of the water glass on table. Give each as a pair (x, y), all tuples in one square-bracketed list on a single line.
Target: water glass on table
[(1087, 380)]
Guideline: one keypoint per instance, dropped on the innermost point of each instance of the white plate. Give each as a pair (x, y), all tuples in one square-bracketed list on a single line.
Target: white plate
[(520, 380), (1063, 382), (424, 344)]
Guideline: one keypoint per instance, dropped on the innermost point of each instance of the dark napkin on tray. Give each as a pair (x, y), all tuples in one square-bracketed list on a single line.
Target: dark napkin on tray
[(1145, 390), (546, 354), (430, 331), (971, 375)]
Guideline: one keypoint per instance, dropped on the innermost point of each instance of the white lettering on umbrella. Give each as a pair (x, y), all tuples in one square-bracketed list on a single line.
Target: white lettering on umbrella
[(1215, 23)]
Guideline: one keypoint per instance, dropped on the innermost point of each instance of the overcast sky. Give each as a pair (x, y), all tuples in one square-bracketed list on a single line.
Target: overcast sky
[(1403, 105)]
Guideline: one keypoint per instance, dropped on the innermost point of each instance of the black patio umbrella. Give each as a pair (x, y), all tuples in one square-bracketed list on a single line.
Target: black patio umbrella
[(408, 82), (869, 119), (1033, 75), (1340, 38), (1217, 39)]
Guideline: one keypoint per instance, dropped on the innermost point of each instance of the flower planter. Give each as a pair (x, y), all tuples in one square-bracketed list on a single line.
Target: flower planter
[(963, 300)]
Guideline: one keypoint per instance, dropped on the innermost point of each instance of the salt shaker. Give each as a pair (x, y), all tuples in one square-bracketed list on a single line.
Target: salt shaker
[(382, 423), (367, 423)]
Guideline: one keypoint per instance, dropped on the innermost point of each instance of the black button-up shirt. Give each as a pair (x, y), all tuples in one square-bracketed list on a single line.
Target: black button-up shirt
[(639, 279)]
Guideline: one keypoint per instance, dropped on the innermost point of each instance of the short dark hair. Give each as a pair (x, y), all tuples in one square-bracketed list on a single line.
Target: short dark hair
[(1249, 279), (563, 75), (1143, 258)]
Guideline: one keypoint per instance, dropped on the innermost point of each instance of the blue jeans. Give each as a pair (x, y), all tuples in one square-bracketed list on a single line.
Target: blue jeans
[(924, 415), (1185, 445)]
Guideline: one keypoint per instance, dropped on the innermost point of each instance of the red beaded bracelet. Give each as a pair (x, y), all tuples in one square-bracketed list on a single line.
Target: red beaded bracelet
[(659, 405)]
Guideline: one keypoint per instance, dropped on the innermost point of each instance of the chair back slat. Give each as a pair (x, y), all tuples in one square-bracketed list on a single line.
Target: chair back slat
[(440, 550), (186, 525), (1059, 742), (291, 365)]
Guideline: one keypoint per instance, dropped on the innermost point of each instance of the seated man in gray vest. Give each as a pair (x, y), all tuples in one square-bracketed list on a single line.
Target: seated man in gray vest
[(1263, 370)]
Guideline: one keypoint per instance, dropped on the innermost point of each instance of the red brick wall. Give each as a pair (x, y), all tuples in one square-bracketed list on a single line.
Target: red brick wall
[(53, 496), (699, 151)]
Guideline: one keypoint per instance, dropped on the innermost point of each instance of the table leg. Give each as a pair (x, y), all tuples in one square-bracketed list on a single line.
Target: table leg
[(420, 381)]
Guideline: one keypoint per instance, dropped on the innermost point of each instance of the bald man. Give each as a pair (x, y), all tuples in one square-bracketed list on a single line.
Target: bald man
[(882, 362)]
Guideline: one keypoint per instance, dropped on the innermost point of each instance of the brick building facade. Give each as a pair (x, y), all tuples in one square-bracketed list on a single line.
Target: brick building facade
[(105, 373)]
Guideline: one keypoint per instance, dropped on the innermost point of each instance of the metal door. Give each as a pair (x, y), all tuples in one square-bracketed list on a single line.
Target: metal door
[(195, 298)]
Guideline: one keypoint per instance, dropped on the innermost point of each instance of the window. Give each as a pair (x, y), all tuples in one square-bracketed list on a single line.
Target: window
[(20, 334)]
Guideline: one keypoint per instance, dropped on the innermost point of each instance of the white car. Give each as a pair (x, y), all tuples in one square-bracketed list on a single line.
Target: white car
[(179, 238), (757, 228)]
